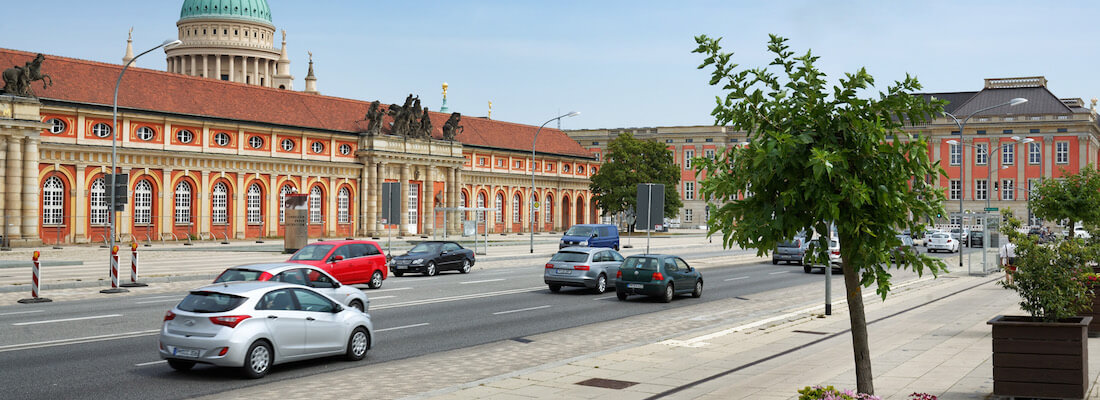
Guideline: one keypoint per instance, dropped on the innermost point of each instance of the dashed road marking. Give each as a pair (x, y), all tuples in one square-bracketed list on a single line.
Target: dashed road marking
[(737, 278), (151, 363), (401, 327), (521, 310), (66, 319), (487, 280), (21, 312)]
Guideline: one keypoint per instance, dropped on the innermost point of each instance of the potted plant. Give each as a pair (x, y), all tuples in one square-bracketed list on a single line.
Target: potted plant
[(1044, 354)]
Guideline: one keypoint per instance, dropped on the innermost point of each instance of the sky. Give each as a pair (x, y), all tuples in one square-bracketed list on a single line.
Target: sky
[(619, 63)]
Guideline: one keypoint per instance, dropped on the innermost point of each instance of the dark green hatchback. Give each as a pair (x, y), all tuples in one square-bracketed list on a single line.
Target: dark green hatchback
[(657, 275)]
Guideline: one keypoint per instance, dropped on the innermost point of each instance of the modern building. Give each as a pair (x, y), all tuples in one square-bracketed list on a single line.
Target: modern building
[(1065, 134), (214, 157)]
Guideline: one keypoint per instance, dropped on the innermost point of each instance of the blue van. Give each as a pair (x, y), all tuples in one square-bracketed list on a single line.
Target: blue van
[(591, 235)]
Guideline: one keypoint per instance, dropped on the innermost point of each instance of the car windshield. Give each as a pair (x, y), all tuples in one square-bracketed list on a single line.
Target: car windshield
[(647, 263), (209, 302), (570, 256), (313, 252), (238, 274), (425, 248), (580, 231), (939, 236), (797, 242)]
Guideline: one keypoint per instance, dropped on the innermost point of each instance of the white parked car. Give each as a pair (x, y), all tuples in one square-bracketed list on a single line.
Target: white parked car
[(1078, 232), (942, 242), (254, 325)]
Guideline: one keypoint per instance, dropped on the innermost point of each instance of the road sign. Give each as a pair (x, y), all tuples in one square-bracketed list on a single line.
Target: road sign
[(991, 209), (119, 192), (536, 206), (651, 206), (391, 203)]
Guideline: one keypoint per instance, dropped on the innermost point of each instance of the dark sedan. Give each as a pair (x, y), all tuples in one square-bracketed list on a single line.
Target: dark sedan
[(657, 275), (431, 257)]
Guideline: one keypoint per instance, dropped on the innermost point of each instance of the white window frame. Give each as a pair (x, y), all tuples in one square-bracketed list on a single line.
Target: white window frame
[(345, 149), (183, 203), (954, 152), (1008, 189), (219, 204), (498, 205), (315, 205), (480, 204), (101, 130), (256, 142), (1061, 152), (689, 190), (287, 144), (53, 201), (222, 139), (710, 154), (414, 204), (981, 189), (954, 189), (57, 126), (1008, 154), (98, 199), (253, 201), (548, 210), (317, 147), (689, 215), (1032, 183), (145, 133), (143, 202), (516, 213), (981, 153), (342, 200), (185, 136), (688, 155), (1034, 153)]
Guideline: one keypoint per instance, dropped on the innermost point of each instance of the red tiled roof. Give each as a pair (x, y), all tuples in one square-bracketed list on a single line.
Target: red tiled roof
[(89, 82)]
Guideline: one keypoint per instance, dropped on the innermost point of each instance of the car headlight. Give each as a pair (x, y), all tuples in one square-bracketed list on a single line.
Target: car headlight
[(418, 261), (584, 243)]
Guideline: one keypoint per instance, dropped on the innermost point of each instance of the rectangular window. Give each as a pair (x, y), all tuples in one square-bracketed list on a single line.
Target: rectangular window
[(689, 215), (413, 204), (1033, 131), (481, 161), (689, 190), (955, 220), (688, 155), (710, 154), (1032, 184), (981, 151), (710, 140), (956, 190), (517, 164), (1008, 153), (981, 131), (1034, 153), (1061, 152), (981, 189), (689, 140), (1007, 131), (955, 151), (1008, 189), (254, 205), (1062, 130)]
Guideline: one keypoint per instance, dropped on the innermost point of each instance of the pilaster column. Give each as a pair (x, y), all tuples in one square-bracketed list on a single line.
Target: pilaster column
[(14, 180), (192, 71), (205, 66), (453, 217), (271, 201), (218, 67), (240, 208), (30, 187), (1048, 157), (78, 218), (404, 222), (556, 211), (968, 168), (231, 72), (202, 199), (1082, 151), (167, 193), (376, 202), (366, 182), (3, 181), (428, 199)]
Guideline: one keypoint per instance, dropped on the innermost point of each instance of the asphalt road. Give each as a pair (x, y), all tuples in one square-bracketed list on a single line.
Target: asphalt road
[(105, 348)]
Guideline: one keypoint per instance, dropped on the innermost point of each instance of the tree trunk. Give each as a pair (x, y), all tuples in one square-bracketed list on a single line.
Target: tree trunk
[(854, 292)]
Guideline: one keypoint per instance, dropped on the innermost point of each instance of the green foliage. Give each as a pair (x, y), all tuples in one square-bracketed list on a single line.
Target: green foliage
[(1075, 198), (831, 393), (1051, 279), (818, 154), (627, 163)]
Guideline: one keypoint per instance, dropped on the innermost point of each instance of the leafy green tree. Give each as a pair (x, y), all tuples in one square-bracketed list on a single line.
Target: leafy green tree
[(1074, 198), (818, 155), (627, 163)]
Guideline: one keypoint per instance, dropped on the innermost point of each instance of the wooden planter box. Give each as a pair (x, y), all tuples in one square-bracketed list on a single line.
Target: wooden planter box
[(1094, 326), (1040, 359)]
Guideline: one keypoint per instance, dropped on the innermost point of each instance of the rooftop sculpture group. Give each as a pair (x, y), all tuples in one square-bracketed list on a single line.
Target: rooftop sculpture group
[(409, 120), (17, 80)]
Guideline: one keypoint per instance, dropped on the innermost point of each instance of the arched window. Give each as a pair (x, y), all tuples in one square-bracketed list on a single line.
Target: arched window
[(481, 204), (53, 197), (287, 189), (254, 195), (516, 213), (98, 202), (499, 218), (143, 202), (342, 205), (548, 209), (219, 199), (315, 205), (183, 203), (462, 203)]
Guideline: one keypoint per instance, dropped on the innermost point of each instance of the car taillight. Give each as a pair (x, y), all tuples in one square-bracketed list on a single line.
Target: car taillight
[(549, 265), (266, 276), (658, 277), (618, 274), (580, 267), (229, 320), (223, 351), (798, 243), (836, 252), (168, 316)]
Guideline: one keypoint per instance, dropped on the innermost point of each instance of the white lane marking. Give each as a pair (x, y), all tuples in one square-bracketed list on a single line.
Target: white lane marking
[(487, 280), (89, 339), (160, 297), (382, 297), (737, 278), (520, 310), (151, 363), (457, 298), (604, 298), (156, 301), (780, 272), (66, 319), (21, 312), (401, 327), (390, 290)]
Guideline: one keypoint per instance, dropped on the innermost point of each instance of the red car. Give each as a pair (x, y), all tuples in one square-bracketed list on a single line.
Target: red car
[(349, 261)]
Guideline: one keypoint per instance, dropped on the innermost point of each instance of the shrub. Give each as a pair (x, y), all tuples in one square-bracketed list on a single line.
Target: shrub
[(1050, 278)]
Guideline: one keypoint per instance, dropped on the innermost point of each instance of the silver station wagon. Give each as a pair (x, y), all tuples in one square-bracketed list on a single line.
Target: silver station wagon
[(585, 267)]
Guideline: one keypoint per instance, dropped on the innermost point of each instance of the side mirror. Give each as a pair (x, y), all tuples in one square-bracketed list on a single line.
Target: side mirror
[(337, 258), (337, 309)]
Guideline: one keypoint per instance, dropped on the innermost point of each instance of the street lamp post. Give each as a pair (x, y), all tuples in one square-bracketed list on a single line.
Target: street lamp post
[(961, 124), (531, 164), (114, 158)]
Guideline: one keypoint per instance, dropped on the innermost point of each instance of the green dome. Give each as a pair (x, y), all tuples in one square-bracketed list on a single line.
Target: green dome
[(248, 10)]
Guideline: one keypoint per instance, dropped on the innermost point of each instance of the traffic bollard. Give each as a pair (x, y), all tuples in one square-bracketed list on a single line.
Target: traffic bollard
[(134, 268), (34, 283), (114, 274)]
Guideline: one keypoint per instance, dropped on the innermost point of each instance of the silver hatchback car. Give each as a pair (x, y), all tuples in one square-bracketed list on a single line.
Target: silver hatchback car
[(585, 267), (254, 325)]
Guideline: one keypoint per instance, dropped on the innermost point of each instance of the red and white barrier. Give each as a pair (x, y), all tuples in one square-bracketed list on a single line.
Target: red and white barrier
[(35, 279), (114, 273), (133, 268)]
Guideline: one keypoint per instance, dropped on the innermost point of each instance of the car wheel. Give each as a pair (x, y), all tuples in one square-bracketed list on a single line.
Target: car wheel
[(555, 288), (620, 295), (181, 365), (466, 267), (358, 344), (356, 304), (698, 292), (601, 284), (257, 360), (398, 274), (670, 292), (375, 280), (775, 262), (807, 269), (429, 270)]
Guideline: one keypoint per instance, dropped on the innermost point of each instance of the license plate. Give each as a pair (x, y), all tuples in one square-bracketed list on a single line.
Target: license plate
[(401, 267), (185, 352), (635, 285), (563, 271)]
